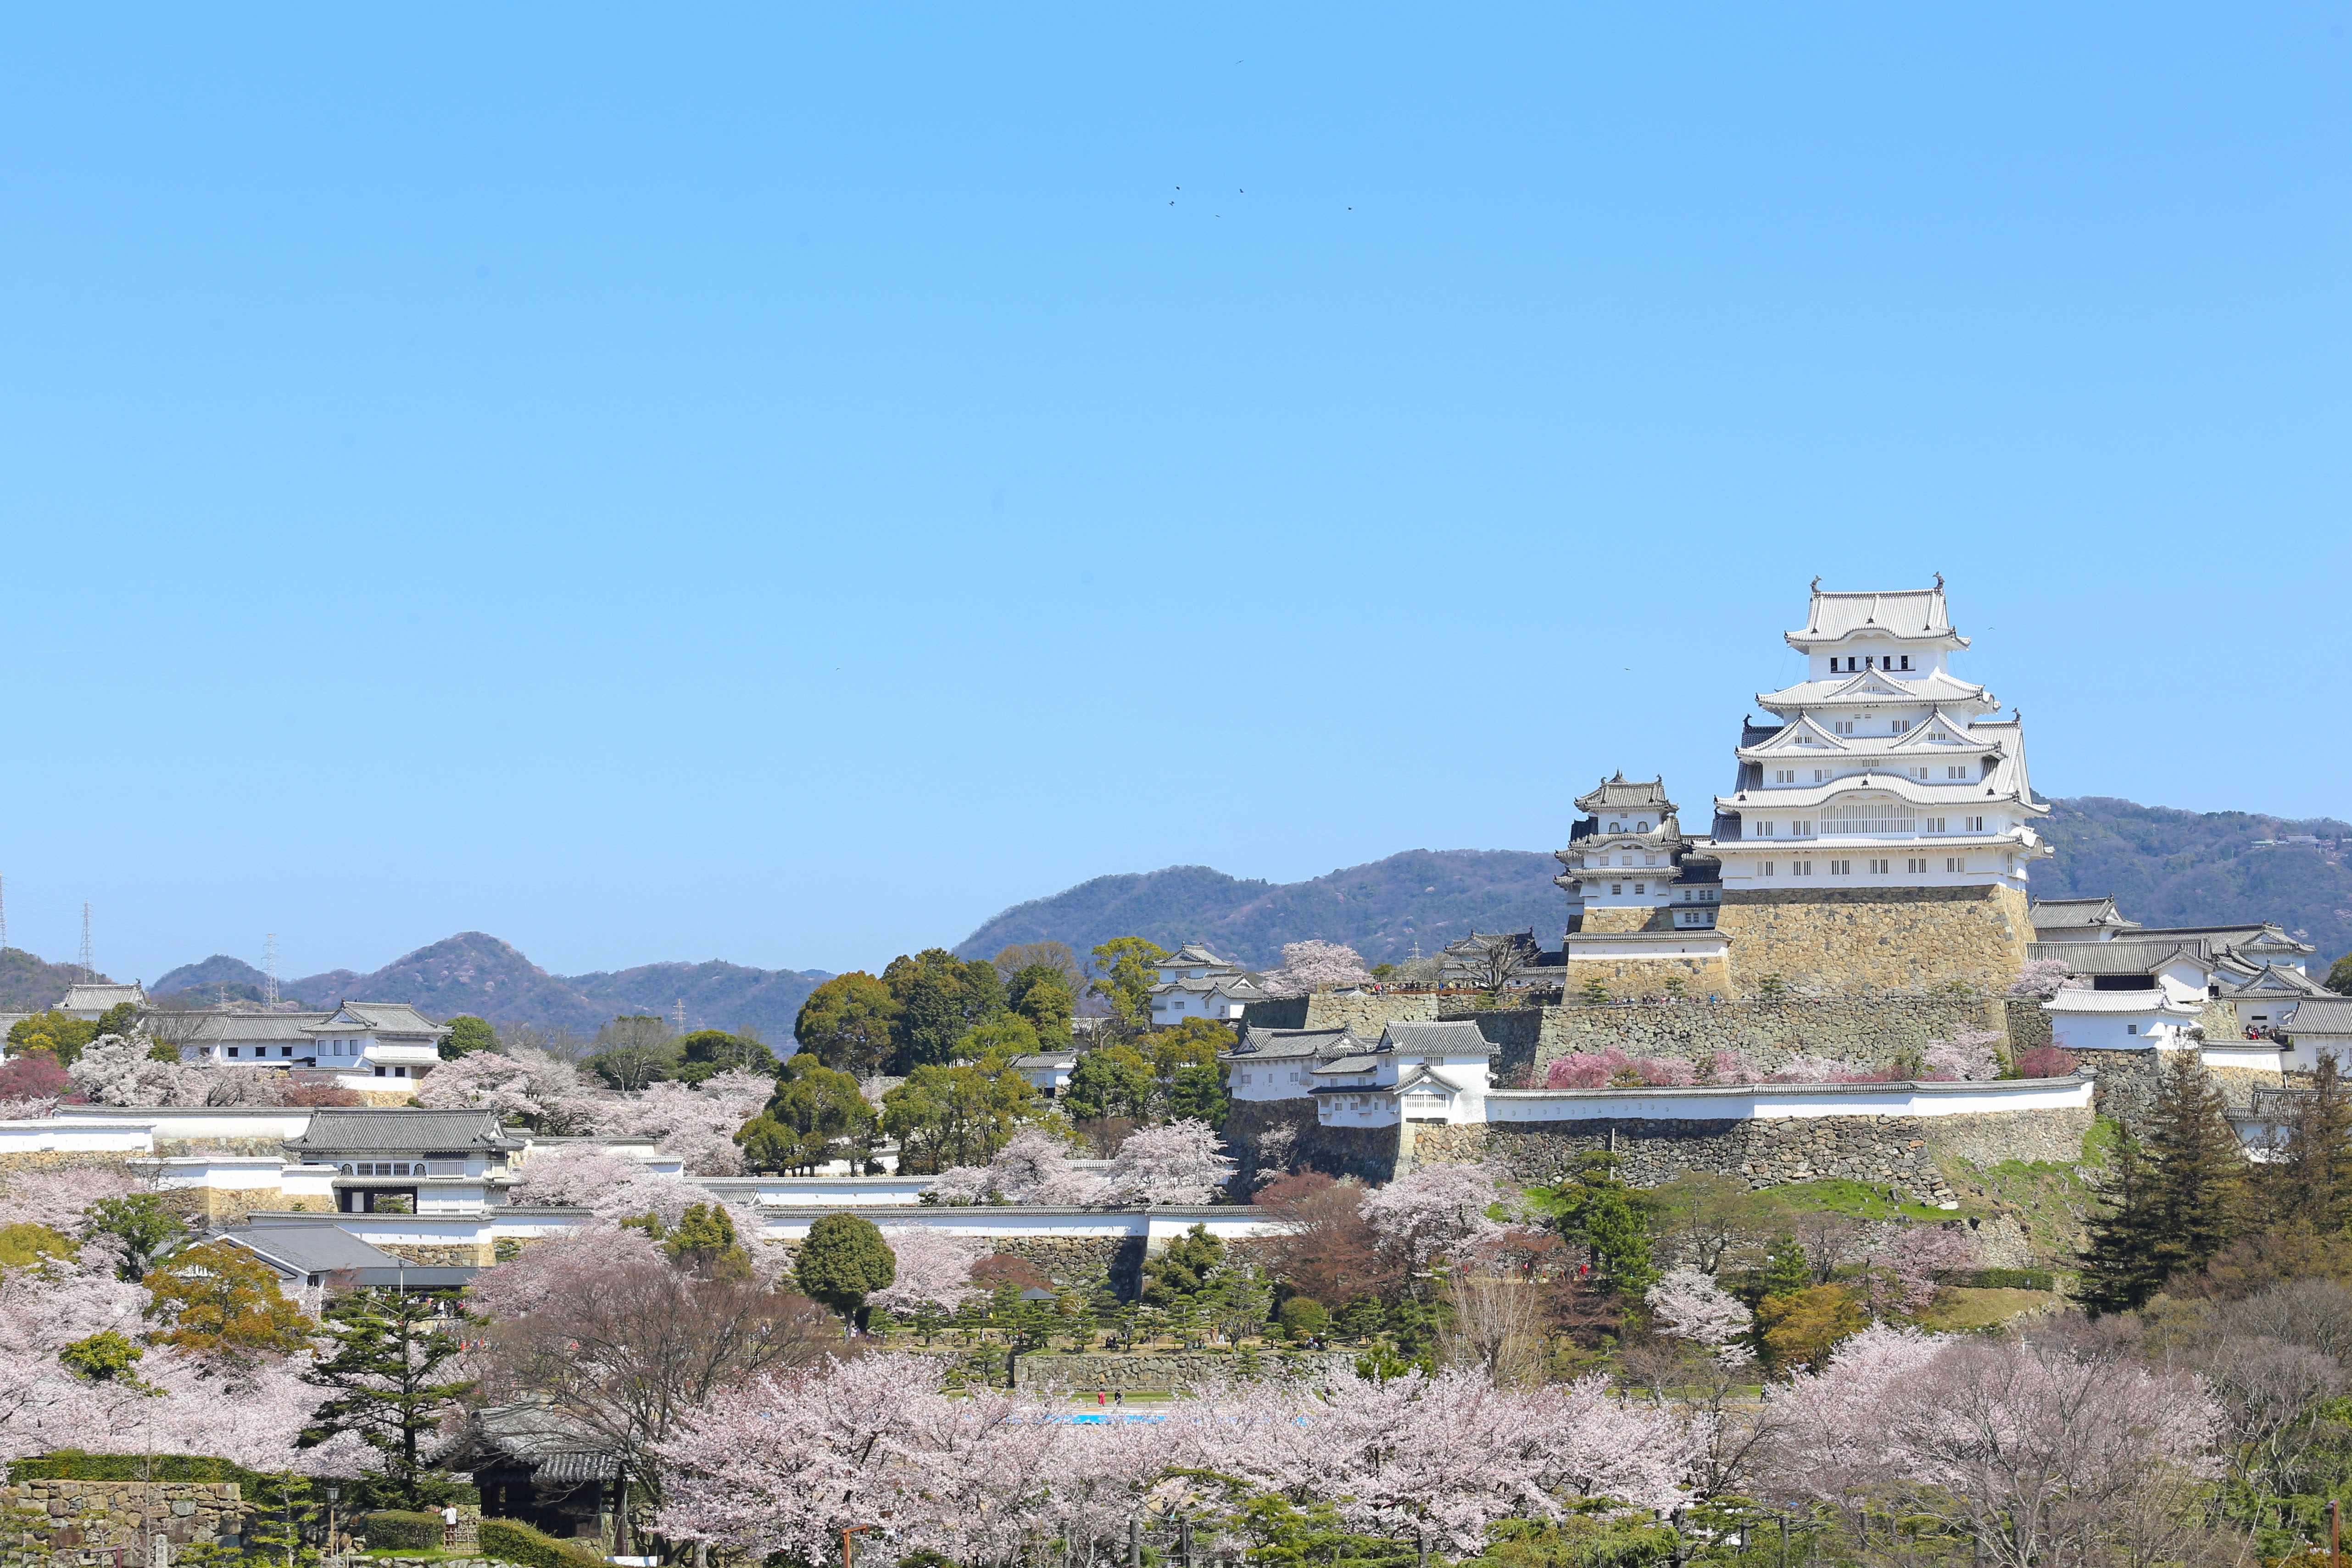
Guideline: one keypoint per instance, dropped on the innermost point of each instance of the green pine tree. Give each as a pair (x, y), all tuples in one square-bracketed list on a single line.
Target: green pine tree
[(1786, 1268), (2310, 1185), (388, 1351), (2174, 1201), (1600, 1211)]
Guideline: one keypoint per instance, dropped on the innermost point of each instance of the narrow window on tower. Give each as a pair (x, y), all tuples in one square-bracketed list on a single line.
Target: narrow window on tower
[(1768, 867), (1906, 661)]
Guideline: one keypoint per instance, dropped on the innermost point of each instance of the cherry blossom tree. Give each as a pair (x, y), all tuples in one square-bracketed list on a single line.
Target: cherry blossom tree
[(32, 1109), (2045, 977), (1734, 1066), (2046, 1061), (1690, 1306), (115, 1069), (1904, 1267), (934, 1268), (521, 1082), (1309, 966), (1968, 1055), (1183, 1162), (697, 1123), (1436, 1210), (59, 1198), (1034, 1167), (1600, 1070), (565, 1262)]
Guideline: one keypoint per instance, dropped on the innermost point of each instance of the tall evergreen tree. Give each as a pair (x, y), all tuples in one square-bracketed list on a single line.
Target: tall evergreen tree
[(389, 1349), (2176, 1199), (2310, 1185)]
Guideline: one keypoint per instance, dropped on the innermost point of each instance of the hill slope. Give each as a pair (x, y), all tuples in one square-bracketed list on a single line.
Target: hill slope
[(1427, 896), (2186, 868), (31, 985)]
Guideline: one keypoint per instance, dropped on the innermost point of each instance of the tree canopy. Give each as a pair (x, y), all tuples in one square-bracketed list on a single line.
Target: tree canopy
[(844, 1258), (467, 1034), (940, 997), (847, 1021)]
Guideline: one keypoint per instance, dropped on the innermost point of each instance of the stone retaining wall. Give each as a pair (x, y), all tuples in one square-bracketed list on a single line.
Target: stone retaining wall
[(1881, 1150), (1859, 942), (69, 1516), (2124, 1085), (1863, 1031), (442, 1255), (1367, 1154), (1054, 1369), (1899, 1151)]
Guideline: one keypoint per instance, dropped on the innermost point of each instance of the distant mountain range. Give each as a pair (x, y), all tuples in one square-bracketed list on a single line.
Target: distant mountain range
[(2164, 867), (472, 972), (1422, 897)]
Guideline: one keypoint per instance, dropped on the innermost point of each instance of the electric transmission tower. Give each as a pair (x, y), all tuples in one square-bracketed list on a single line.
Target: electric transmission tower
[(678, 1013), (269, 971), (3, 914), (88, 969)]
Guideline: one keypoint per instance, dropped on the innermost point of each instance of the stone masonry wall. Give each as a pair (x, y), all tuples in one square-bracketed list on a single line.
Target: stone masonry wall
[(1866, 1032), (1706, 974), (1053, 1369), (2124, 1085), (1859, 942), (68, 1516), (65, 1160), (1898, 1152), (438, 1255), (1367, 1154)]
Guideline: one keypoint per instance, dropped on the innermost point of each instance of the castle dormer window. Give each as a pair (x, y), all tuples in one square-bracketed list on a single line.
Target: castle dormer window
[(1641, 828), (1906, 661)]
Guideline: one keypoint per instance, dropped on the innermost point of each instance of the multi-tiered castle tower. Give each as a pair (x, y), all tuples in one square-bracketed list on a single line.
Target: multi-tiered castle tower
[(1879, 829), (1876, 836)]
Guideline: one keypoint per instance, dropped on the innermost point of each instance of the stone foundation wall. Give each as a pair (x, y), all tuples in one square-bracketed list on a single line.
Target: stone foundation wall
[(1701, 975), (2123, 1087), (1053, 1369), (1367, 1154), (1882, 1151), (69, 1516), (438, 1254), (1898, 1152), (1859, 942), (68, 1160), (1866, 1032)]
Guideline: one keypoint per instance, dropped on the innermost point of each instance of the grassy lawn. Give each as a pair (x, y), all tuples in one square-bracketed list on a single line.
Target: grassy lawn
[(1958, 1308), (1857, 1199)]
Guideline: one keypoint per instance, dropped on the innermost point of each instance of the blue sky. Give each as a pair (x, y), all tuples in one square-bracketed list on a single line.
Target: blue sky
[(784, 484)]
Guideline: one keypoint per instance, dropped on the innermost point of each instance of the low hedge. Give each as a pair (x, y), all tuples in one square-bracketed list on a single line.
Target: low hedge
[(73, 1465), (399, 1528), (512, 1541), (2006, 1279)]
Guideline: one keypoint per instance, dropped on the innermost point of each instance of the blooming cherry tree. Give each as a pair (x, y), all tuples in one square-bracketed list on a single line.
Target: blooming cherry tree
[(1309, 966), (1690, 1306), (1439, 1208), (934, 1268), (519, 1082), (1183, 1162)]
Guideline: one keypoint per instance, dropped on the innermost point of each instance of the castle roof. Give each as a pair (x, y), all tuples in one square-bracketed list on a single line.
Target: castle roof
[(1622, 795), (1286, 1043), (1878, 688), (2321, 1016), (1908, 615), (2123, 1003), (2074, 914), (2127, 955), (1194, 955)]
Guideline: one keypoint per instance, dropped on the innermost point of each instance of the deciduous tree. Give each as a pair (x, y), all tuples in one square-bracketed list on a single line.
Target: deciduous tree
[(217, 1299), (1125, 968)]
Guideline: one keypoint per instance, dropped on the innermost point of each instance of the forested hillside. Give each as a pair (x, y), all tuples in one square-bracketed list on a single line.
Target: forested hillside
[(1428, 896), (2187, 868)]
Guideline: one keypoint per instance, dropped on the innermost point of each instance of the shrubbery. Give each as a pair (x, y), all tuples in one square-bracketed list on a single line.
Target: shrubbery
[(400, 1528), (512, 1541)]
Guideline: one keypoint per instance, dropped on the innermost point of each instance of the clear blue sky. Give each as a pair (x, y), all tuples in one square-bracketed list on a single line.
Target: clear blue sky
[(784, 484)]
